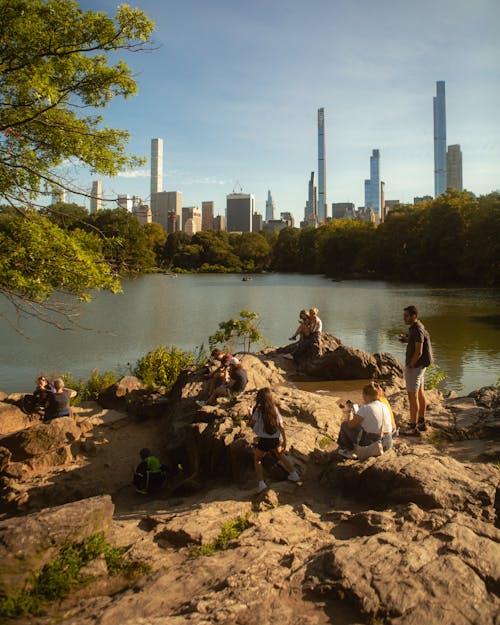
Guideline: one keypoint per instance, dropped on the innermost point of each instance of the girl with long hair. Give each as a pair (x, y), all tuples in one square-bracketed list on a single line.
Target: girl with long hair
[(267, 423)]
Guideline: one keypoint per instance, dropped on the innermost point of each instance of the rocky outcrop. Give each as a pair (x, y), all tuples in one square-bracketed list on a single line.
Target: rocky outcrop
[(12, 418), (328, 359), (27, 544), (119, 394)]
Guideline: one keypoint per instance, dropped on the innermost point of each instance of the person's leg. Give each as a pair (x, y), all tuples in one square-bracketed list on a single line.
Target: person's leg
[(412, 398), (348, 437), (284, 460), (220, 391), (258, 456), (422, 403)]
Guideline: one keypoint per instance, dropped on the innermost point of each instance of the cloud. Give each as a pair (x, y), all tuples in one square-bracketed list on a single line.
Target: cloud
[(135, 173)]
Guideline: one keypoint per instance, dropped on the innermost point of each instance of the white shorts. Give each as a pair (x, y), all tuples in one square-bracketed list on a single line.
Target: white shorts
[(414, 378)]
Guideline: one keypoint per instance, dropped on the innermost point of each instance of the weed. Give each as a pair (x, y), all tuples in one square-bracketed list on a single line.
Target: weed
[(162, 366), (434, 376), (325, 441), (92, 387), (57, 578), (229, 531), (437, 438)]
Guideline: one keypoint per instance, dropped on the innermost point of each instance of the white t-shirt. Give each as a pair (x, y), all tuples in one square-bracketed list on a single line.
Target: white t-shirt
[(376, 416), (258, 426)]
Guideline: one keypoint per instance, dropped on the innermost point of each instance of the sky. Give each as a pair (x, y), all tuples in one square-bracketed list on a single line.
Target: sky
[(233, 88)]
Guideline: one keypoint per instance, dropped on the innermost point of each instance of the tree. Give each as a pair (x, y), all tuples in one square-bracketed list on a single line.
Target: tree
[(242, 328), (58, 67)]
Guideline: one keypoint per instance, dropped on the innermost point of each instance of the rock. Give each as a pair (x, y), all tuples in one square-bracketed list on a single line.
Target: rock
[(116, 395), (419, 476), (42, 438), (5, 457), (487, 396), (96, 568), (28, 543), (12, 419)]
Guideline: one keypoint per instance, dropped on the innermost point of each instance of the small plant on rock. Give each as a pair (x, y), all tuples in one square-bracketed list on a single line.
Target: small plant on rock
[(229, 531)]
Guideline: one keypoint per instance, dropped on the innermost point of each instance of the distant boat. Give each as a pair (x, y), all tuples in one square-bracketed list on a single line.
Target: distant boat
[(246, 279)]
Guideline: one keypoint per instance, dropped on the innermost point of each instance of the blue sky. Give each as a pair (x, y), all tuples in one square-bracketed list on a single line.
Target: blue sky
[(234, 87)]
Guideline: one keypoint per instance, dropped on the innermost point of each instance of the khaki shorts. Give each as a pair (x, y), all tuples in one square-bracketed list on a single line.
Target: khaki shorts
[(414, 378)]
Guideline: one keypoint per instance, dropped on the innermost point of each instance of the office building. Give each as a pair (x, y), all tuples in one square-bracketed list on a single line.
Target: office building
[(275, 225), (239, 210), (96, 197), (372, 186), (142, 213), (257, 222), (421, 198), (454, 168), (288, 218), (322, 213), (125, 202), (207, 216), (164, 203), (156, 165), (220, 223), (269, 207), (439, 102), (311, 210), (191, 219), (343, 210)]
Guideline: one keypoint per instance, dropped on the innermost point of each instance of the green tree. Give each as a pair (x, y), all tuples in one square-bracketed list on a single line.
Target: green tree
[(286, 250), (243, 328), (67, 216), (58, 66)]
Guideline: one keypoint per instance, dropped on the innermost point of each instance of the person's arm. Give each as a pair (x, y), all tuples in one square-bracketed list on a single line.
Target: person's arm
[(354, 419), (251, 419), (283, 436), (72, 392), (419, 348)]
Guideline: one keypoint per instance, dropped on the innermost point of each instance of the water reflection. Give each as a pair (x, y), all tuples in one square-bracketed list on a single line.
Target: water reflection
[(158, 309)]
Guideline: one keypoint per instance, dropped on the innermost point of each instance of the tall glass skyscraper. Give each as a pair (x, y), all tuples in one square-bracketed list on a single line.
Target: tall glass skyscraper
[(372, 186), (269, 207), (439, 102), (322, 204)]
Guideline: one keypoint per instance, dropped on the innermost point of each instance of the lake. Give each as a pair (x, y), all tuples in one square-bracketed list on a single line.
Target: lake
[(154, 310)]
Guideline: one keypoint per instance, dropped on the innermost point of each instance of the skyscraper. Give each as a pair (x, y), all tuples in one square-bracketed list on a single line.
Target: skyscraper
[(239, 211), (164, 204), (96, 197), (372, 186), (454, 168), (156, 165), (311, 213), (207, 216), (322, 205), (439, 102), (269, 207)]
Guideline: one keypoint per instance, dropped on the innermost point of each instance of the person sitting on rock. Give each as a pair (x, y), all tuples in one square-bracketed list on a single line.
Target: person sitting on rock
[(381, 396), (58, 401), (267, 423), (235, 385), (220, 375), (372, 422), (37, 402), (312, 340), (150, 473), (304, 328)]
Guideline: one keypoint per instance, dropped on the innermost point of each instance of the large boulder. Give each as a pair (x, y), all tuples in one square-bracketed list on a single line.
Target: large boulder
[(418, 475), (116, 395), (12, 419), (41, 438), (28, 543)]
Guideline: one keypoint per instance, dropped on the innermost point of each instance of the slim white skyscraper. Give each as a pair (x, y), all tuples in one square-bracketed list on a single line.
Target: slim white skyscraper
[(439, 102), (322, 203), (96, 197), (156, 165), (269, 207)]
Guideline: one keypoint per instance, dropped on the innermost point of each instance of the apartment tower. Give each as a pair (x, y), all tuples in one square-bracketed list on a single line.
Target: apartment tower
[(156, 165), (372, 186), (96, 197), (439, 102), (269, 207), (322, 204), (239, 212), (454, 168)]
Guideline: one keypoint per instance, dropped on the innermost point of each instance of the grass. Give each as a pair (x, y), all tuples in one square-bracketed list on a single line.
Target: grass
[(325, 441), (229, 531), (438, 439), (60, 576)]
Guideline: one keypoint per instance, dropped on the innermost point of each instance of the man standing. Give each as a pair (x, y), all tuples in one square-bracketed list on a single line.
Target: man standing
[(418, 357)]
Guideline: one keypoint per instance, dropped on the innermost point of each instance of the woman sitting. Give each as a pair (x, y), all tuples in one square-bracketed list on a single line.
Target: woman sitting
[(315, 323), (303, 329), (371, 423)]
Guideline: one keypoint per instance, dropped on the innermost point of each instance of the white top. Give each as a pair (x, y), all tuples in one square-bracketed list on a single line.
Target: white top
[(258, 426), (376, 416), (318, 325)]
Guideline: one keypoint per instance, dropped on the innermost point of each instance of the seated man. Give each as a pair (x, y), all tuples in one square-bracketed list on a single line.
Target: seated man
[(236, 384), (150, 473), (58, 401), (221, 374)]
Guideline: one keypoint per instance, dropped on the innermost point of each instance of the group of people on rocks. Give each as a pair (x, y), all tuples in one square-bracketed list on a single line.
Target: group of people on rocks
[(52, 398), (229, 379), (308, 333)]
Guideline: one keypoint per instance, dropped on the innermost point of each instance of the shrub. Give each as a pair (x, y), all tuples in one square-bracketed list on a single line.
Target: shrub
[(92, 387), (162, 366), (229, 531)]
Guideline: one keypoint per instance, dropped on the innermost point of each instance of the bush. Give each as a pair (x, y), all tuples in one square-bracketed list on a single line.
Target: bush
[(90, 389), (229, 531), (162, 366)]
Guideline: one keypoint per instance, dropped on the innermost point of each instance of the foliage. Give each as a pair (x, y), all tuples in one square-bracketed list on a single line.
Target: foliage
[(61, 575), (434, 376), (242, 328), (437, 438), (229, 531), (90, 389), (162, 366), (325, 441)]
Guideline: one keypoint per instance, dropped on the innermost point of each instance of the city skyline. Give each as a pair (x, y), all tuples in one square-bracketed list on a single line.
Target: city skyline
[(250, 116)]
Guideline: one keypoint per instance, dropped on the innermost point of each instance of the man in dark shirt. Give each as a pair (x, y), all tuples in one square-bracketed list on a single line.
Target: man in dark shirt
[(236, 384), (418, 357)]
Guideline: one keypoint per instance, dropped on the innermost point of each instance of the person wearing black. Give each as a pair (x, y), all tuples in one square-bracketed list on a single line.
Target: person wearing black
[(418, 357), (238, 380), (58, 401)]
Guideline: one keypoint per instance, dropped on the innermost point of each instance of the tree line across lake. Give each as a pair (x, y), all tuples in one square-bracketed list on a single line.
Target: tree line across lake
[(452, 239)]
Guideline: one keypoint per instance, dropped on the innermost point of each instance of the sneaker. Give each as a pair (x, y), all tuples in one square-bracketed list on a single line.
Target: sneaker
[(261, 487), (410, 430), (421, 425), (200, 403), (294, 476), (345, 453), (141, 491)]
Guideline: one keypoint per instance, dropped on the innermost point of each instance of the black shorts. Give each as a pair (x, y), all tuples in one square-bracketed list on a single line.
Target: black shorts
[(268, 444)]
